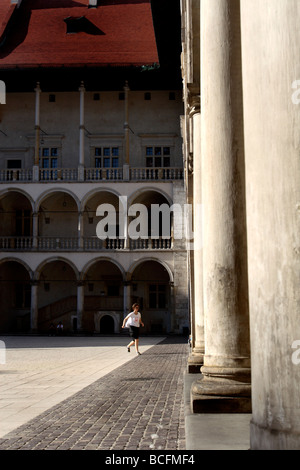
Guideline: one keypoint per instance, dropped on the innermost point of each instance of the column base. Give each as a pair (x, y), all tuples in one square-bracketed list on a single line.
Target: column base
[(195, 361), (228, 391)]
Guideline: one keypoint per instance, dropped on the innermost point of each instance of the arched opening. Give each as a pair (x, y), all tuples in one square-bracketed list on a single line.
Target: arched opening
[(151, 288), (103, 292), (57, 295), (15, 295), (15, 221), (58, 222), (107, 325), (150, 227), (108, 224)]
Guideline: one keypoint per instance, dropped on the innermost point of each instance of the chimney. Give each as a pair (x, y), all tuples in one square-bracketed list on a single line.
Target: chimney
[(93, 3)]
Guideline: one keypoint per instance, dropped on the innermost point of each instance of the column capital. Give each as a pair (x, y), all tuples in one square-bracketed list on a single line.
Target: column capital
[(38, 88), (193, 99)]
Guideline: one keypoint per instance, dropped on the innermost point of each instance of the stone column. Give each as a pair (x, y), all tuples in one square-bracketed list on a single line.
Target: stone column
[(225, 386), (271, 70), (34, 306), (126, 176), (123, 220), (37, 133), (81, 134), (80, 304), (80, 230), (195, 360), (127, 297), (126, 123), (35, 228)]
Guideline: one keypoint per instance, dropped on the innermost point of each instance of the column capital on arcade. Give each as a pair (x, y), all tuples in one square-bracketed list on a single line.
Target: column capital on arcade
[(193, 99)]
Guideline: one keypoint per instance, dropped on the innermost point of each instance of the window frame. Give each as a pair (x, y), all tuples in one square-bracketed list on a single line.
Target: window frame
[(107, 156), (158, 156)]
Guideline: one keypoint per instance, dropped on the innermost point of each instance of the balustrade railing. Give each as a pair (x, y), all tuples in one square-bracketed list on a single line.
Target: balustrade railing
[(103, 174), (8, 243), (156, 174), (48, 175), (16, 175), (16, 243), (57, 243), (151, 244), (58, 174)]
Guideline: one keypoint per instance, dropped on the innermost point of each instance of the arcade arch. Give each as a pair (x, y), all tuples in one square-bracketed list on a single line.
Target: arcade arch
[(103, 295), (15, 295), (151, 282), (15, 221), (57, 294), (58, 216)]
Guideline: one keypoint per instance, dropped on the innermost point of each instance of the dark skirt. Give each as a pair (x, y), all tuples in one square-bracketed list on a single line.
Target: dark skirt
[(134, 332)]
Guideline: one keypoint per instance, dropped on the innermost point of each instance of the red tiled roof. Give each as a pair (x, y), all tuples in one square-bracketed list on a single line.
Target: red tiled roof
[(6, 10), (118, 32)]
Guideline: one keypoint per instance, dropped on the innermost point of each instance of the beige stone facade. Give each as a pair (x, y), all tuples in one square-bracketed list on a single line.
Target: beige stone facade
[(54, 267)]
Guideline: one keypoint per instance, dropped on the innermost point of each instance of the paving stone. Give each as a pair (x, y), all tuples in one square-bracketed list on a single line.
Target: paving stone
[(138, 406)]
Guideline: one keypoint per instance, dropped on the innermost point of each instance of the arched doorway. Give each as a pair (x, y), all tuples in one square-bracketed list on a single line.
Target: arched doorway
[(150, 220), (107, 325), (151, 288), (15, 221), (58, 222), (108, 226), (103, 294), (15, 295), (57, 295)]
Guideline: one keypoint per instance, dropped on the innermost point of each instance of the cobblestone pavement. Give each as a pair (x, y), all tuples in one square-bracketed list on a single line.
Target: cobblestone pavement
[(138, 406)]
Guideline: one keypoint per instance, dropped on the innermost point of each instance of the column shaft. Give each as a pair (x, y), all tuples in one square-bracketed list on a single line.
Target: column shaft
[(271, 67), (127, 298), (34, 307), (80, 304), (226, 383), (37, 124), (195, 360), (81, 133)]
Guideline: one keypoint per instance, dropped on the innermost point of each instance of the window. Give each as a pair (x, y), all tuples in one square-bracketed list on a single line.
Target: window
[(158, 157), (157, 296), (13, 164), (49, 157), (106, 157)]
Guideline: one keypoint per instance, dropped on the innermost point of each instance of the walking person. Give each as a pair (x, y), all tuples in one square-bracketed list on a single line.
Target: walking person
[(133, 320)]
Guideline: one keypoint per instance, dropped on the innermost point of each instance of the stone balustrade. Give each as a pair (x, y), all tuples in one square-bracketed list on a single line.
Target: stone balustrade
[(49, 175), (11, 243)]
